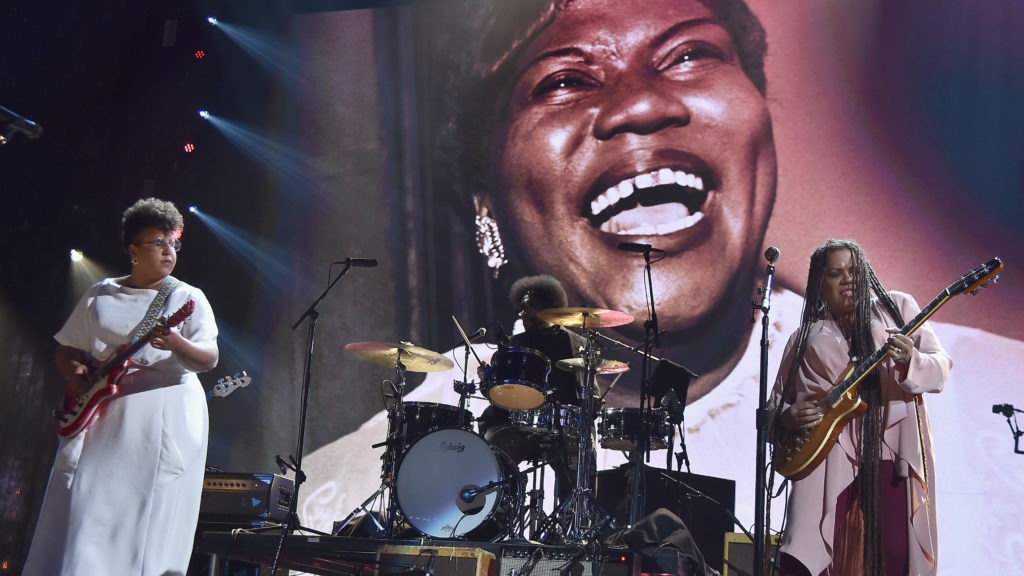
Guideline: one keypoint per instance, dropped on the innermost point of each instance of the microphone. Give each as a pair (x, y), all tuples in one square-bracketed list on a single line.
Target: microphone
[(772, 253), (469, 494), (1004, 409), (480, 333), (502, 340), (358, 262), (639, 248), (19, 123), (670, 401)]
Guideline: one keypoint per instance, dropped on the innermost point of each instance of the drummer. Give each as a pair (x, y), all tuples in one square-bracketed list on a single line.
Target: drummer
[(529, 296)]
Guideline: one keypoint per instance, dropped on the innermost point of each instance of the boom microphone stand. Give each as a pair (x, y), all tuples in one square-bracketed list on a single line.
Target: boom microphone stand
[(652, 340), (295, 461), (772, 255)]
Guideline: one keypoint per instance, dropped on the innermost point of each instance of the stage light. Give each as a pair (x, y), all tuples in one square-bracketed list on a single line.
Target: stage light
[(200, 54), (211, 20), (204, 114), (189, 147), (76, 255), (193, 210)]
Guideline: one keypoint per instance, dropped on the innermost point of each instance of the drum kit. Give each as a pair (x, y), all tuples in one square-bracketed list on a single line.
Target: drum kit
[(447, 481)]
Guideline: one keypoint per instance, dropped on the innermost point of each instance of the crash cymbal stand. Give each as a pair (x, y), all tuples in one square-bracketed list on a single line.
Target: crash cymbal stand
[(392, 448), (580, 510)]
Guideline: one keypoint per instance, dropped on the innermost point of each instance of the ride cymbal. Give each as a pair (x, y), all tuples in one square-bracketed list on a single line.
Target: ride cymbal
[(413, 358), (601, 366), (577, 317)]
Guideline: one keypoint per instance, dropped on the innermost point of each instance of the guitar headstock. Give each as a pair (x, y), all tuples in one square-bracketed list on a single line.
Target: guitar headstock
[(972, 282), (229, 384), (181, 314)]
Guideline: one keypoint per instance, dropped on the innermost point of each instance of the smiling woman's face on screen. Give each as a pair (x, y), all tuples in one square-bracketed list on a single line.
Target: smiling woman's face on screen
[(635, 122)]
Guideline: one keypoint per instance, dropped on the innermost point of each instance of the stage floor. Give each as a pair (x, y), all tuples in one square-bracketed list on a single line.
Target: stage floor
[(347, 556)]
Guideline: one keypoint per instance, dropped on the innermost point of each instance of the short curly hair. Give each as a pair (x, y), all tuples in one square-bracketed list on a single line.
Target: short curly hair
[(544, 288), (149, 213)]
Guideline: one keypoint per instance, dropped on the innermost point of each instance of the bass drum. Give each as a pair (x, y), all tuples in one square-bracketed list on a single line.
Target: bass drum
[(436, 471)]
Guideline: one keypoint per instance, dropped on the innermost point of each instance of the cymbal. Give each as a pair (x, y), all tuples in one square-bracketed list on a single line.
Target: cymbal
[(578, 317), (602, 365), (414, 358)]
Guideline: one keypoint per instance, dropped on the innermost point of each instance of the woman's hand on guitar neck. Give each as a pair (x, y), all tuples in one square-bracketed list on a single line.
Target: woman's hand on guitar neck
[(78, 381), (803, 415)]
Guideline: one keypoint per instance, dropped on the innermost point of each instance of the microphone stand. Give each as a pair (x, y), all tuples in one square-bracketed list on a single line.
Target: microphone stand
[(636, 349), (643, 443), (295, 463), (465, 387), (762, 415), (1010, 412)]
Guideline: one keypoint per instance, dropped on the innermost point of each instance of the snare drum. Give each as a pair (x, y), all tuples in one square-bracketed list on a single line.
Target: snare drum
[(619, 428), (436, 473), (518, 379), (543, 420), (520, 433)]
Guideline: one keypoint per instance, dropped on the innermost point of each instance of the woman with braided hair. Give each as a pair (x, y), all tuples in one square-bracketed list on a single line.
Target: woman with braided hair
[(869, 507)]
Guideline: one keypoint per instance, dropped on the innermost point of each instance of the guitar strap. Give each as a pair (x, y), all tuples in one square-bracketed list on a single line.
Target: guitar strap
[(149, 320), (920, 437)]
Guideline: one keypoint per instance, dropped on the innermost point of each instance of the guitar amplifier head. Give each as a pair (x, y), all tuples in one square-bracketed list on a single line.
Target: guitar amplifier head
[(245, 497)]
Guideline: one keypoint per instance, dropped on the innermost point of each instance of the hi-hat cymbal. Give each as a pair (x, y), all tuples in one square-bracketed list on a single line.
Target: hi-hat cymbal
[(584, 317), (414, 358), (602, 365)]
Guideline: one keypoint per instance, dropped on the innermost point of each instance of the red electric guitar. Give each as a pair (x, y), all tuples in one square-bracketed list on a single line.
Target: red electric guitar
[(77, 411), (797, 454)]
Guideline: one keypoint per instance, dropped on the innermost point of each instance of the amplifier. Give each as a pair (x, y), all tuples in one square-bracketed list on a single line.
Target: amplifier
[(401, 560), (703, 503), (527, 560), (245, 498), (739, 554)]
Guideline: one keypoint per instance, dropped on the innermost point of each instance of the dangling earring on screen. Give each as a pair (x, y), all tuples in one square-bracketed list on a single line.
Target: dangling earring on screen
[(488, 238)]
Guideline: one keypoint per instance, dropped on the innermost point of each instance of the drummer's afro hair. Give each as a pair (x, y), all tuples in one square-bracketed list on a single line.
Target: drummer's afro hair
[(543, 287)]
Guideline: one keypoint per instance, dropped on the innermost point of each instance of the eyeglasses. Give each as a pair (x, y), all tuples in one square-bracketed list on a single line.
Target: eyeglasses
[(160, 244)]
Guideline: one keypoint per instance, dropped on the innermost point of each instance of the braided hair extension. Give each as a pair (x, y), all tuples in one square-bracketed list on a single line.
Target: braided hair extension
[(867, 290)]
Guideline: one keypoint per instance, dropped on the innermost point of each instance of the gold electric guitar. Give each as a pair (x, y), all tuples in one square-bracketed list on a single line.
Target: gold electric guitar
[(797, 454)]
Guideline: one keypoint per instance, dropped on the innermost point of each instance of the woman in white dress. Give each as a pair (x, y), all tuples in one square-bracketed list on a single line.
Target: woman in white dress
[(123, 496)]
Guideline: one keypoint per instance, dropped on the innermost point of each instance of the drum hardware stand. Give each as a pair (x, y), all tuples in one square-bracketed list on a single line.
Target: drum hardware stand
[(673, 399), (389, 469), (464, 388), (294, 462), (581, 502)]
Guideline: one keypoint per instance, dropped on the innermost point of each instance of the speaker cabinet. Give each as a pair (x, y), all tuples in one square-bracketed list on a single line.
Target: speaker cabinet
[(435, 561), (679, 493), (739, 554), (526, 560)]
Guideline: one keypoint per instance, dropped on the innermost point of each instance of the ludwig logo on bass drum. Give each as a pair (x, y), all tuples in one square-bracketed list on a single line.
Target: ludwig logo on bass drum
[(452, 447)]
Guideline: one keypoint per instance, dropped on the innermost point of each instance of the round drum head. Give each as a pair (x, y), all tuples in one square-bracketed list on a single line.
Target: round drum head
[(433, 474), (515, 397)]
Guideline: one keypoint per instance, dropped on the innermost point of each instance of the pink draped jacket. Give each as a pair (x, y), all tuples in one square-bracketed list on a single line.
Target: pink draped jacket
[(907, 438)]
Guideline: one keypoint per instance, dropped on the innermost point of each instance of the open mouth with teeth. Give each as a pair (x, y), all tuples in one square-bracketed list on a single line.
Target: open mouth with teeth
[(650, 204)]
